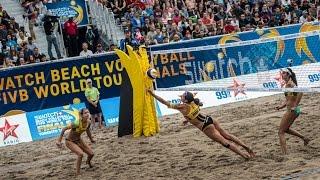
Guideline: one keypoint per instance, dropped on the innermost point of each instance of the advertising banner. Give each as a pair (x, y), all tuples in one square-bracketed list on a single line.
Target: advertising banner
[(203, 64), (74, 8), (58, 83), (14, 130), (49, 122)]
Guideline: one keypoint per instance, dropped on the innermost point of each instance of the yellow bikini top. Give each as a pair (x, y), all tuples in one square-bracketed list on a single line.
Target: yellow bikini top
[(78, 126), (194, 111)]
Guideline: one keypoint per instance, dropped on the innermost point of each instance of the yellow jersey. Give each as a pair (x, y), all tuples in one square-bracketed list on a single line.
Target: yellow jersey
[(194, 111)]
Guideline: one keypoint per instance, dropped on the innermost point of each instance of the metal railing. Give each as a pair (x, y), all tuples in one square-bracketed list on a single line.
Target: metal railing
[(105, 21)]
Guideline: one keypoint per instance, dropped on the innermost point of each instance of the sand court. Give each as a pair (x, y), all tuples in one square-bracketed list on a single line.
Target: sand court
[(183, 152)]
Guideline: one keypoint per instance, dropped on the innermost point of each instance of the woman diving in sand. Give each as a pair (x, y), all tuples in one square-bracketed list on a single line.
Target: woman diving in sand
[(293, 109), (74, 141), (190, 108)]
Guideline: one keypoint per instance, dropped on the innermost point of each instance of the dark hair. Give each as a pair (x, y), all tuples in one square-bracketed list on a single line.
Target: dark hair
[(82, 110), (189, 97), (293, 76)]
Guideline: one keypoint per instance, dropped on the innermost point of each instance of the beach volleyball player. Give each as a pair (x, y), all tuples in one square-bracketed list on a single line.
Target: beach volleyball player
[(74, 141), (190, 108), (293, 109)]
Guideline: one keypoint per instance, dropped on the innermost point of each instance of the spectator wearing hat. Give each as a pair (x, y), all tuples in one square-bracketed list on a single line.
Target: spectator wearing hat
[(100, 49), (49, 25), (92, 95), (71, 31), (303, 18)]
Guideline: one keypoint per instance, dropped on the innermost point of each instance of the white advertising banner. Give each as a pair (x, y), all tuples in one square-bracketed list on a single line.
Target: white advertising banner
[(14, 129), (307, 76)]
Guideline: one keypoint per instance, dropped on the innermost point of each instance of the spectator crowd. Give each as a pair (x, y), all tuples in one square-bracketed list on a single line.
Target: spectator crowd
[(17, 46), (163, 21)]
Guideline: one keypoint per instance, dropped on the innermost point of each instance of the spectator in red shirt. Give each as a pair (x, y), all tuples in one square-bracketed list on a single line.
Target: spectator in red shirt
[(70, 28), (206, 20), (228, 28), (176, 17)]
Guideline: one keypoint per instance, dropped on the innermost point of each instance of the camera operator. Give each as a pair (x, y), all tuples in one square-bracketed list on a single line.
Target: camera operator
[(50, 22)]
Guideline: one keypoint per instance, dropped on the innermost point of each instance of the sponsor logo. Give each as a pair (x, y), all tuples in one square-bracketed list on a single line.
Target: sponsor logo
[(9, 130), (279, 79), (238, 87)]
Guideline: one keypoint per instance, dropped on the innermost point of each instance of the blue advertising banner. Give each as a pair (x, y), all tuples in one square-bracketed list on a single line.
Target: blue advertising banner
[(110, 110), (49, 122), (75, 8), (242, 36), (58, 83), (246, 56)]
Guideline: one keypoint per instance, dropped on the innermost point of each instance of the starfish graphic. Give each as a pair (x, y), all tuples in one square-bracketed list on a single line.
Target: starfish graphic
[(280, 79), (238, 87), (8, 130)]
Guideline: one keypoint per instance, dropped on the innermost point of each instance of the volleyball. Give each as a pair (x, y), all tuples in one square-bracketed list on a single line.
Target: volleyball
[(152, 73)]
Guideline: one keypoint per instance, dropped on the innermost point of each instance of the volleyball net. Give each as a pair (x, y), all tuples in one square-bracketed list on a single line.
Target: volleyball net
[(256, 65)]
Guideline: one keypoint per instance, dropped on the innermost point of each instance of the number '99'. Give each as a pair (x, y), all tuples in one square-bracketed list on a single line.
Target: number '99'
[(314, 77), (223, 94)]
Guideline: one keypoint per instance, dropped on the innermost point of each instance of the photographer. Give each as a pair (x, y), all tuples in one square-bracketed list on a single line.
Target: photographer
[(50, 22)]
